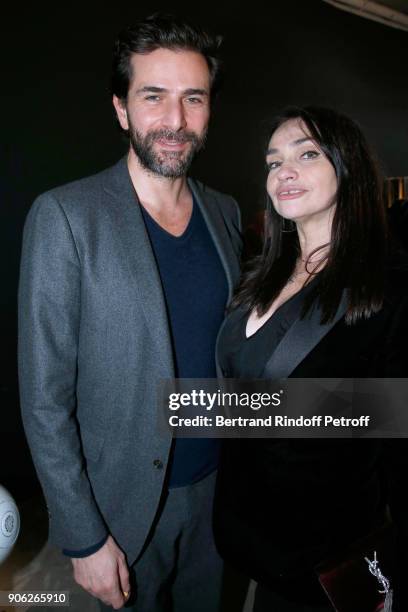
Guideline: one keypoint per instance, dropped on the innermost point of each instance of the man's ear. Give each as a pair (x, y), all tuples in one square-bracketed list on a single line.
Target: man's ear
[(121, 112)]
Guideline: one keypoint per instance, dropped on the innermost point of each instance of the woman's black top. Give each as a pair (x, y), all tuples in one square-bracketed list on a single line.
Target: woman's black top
[(242, 357), (285, 505)]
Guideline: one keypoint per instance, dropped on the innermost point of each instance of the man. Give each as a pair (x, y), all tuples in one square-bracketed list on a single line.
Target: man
[(124, 280)]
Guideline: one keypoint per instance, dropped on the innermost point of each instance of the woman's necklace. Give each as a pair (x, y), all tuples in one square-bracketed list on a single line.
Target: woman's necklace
[(304, 263), (292, 278)]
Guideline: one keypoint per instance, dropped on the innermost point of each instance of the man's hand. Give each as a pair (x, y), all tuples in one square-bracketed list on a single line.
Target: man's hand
[(104, 574)]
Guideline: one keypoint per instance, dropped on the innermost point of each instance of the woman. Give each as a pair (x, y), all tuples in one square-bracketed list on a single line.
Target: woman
[(285, 506)]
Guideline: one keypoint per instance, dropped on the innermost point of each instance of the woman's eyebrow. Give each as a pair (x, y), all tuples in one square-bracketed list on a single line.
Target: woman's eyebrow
[(295, 143)]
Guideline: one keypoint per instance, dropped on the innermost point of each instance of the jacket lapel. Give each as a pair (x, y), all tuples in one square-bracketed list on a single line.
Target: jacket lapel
[(210, 209), (127, 218), (299, 341)]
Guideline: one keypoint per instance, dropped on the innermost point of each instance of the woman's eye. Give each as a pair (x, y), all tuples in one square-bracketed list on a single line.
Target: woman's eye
[(310, 154)]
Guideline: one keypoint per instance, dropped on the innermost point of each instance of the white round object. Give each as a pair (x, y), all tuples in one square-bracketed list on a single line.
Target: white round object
[(9, 523)]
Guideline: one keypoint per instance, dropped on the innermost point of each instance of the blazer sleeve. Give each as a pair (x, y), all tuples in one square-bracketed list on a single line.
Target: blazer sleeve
[(396, 450), (49, 323)]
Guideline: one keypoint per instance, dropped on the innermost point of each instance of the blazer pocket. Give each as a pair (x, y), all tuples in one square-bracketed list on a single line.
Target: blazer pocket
[(91, 444)]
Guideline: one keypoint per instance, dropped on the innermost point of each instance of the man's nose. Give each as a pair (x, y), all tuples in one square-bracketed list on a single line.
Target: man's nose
[(174, 117)]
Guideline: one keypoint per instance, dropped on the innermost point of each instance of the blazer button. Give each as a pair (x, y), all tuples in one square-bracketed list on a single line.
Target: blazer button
[(158, 464)]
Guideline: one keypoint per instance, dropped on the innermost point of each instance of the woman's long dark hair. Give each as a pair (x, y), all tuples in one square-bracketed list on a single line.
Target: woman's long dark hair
[(357, 251)]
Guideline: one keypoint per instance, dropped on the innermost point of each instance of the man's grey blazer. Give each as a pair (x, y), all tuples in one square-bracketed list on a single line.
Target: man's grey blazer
[(93, 343)]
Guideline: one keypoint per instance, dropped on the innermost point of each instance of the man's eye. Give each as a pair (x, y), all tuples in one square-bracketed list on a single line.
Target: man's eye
[(273, 165), (152, 98), (310, 154), (194, 100)]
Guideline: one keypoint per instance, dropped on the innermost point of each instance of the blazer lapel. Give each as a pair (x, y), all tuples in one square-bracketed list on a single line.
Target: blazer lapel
[(210, 210), (299, 340), (124, 209)]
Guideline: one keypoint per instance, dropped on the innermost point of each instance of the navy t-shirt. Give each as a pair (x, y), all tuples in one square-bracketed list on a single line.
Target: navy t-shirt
[(196, 292)]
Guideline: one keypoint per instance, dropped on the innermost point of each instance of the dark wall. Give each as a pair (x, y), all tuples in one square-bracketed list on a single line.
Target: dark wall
[(57, 123)]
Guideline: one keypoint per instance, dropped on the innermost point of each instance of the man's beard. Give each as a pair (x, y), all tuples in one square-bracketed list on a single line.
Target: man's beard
[(169, 164)]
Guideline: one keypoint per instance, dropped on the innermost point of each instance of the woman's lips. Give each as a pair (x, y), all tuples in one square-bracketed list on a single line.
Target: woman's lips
[(290, 194)]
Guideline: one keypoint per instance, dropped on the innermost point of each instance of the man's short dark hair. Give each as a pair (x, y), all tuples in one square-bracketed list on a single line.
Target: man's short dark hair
[(161, 31)]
